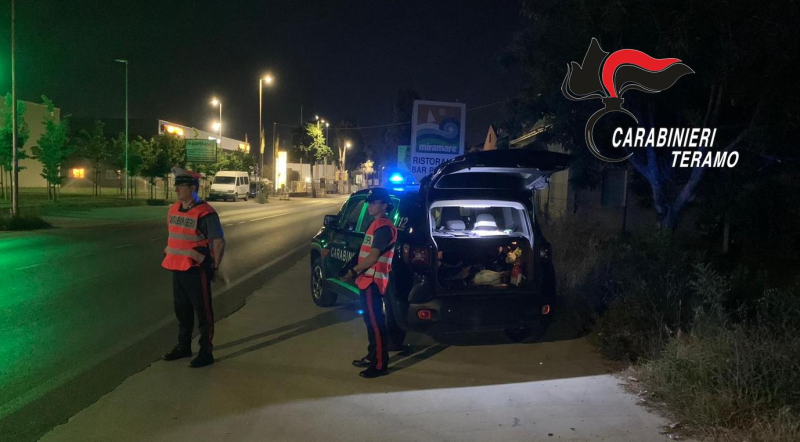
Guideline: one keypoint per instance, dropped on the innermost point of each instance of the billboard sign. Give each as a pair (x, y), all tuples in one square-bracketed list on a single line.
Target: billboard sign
[(201, 151), (437, 135)]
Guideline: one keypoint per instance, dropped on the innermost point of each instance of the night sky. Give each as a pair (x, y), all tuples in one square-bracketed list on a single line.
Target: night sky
[(339, 59)]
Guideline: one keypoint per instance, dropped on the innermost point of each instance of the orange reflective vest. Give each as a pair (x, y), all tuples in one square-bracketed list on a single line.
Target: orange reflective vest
[(379, 272), (185, 237)]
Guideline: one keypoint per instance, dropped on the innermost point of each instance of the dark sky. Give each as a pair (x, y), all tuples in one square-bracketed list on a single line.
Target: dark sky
[(340, 59)]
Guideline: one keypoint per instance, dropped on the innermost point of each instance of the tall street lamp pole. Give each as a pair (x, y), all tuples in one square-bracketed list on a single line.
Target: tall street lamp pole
[(342, 160), (127, 185), (14, 156), (268, 80), (216, 102)]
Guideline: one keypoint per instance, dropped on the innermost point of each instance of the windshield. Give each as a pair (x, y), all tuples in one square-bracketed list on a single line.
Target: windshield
[(224, 180), (478, 218)]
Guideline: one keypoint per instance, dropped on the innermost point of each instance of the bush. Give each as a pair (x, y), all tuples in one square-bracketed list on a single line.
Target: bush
[(23, 222)]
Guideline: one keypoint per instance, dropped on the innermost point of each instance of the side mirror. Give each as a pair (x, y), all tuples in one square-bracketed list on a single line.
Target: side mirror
[(330, 220)]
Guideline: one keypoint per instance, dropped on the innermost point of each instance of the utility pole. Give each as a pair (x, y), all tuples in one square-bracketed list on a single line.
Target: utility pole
[(15, 157), (127, 186), (274, 158)]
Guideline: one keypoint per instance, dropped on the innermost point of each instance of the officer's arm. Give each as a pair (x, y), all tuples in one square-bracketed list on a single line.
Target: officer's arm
[(371, 259), (217, 251)]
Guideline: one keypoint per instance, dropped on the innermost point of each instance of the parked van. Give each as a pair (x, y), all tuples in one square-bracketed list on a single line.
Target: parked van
[(229, 185)]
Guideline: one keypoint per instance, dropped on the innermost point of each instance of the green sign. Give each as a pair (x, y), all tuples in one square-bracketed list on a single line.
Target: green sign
[(201, 151), (404, 158)]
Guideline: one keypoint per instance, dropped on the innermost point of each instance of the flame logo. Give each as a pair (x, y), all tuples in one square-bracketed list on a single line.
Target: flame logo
[(607, 77)]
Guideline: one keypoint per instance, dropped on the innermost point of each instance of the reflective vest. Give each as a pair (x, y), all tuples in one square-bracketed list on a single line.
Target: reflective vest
[(185, 237), (379, 272)]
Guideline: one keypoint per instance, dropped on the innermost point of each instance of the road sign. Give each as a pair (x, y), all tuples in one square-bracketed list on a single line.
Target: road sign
[(201, 151), (437, 135)]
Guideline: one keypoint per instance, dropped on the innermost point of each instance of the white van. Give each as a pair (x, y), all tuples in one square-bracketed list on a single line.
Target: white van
[(229, 185)]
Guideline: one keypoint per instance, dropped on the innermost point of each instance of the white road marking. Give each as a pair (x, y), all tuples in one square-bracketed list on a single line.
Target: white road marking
[(123, 246), (29, 267), (228, 225)]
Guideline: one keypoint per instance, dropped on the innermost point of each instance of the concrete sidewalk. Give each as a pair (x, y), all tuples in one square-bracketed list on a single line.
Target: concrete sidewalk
[(283, 373)]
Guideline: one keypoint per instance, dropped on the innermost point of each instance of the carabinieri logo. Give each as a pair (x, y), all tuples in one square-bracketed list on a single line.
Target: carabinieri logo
[(607, 77)]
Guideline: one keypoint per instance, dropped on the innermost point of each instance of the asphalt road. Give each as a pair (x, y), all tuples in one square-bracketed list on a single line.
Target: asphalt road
[(85, 305)]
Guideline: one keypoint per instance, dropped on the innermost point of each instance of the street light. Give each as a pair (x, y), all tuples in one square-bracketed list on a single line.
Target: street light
[(342, 159), (127, 185), (218, 126), (268, 80)]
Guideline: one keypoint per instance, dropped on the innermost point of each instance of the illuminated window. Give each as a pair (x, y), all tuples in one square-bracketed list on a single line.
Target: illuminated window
[(78, 173)]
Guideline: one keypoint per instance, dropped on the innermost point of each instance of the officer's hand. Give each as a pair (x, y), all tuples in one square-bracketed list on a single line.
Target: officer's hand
[(348, 277)]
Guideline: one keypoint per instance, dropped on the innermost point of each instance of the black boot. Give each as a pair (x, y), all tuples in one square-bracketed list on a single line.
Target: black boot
[(363, 362), (178, 352), (373, 372), (202, 360)]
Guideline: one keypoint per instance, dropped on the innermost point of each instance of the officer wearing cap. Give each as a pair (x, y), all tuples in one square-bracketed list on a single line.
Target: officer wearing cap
[(371, 274), (194, 253)]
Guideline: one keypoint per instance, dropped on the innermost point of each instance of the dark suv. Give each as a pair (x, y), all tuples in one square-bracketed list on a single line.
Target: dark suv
[(469, 255)]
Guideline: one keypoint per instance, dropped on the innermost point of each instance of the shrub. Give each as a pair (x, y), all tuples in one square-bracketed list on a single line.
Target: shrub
[(23, 222)]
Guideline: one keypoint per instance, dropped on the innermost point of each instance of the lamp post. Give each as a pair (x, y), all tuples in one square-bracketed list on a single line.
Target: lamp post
[(268, 80), (216, 102), (127, 184), (14, 154), (342, 159)]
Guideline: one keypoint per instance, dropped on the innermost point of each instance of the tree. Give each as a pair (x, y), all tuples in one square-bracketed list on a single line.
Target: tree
[(95, 147), (400, 134), (739, 86), (53, 149), (117, 157), (170, 151), (311, 145), (6, 151)]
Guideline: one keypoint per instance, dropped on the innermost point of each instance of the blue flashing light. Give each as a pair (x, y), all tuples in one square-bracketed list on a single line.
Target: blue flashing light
[(398, 189), (360, 312), (397, 178)]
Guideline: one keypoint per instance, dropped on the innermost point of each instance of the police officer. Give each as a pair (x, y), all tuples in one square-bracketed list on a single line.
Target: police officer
[(194, 253), (371, 274)]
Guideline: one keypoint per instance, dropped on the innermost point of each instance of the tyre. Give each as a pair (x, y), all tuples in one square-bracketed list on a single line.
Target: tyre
[(320, 293), (235, 197), (245, 197)]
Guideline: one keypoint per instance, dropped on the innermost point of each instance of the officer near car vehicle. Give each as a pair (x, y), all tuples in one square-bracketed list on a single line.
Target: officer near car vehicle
[(194, 253), (371, 274)]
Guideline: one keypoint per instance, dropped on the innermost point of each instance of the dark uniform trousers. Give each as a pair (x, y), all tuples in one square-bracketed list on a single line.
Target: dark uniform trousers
[(372, 305), (191, 291)]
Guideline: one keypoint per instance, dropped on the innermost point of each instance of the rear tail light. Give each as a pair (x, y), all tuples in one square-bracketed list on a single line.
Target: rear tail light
[(424, 314), (545, 251), (416, 255), (545, 309)]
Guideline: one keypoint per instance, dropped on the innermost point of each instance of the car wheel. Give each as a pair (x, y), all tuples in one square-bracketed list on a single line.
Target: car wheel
[(245, 197), (320, 294), (528, 334), (235, 197)]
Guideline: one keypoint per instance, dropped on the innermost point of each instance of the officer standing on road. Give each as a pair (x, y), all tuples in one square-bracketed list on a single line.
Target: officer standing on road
[(371, 274), (193, 254)]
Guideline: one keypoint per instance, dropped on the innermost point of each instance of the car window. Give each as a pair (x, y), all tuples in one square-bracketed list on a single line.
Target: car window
[(246, 180), (223, 180), (352, 213)]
